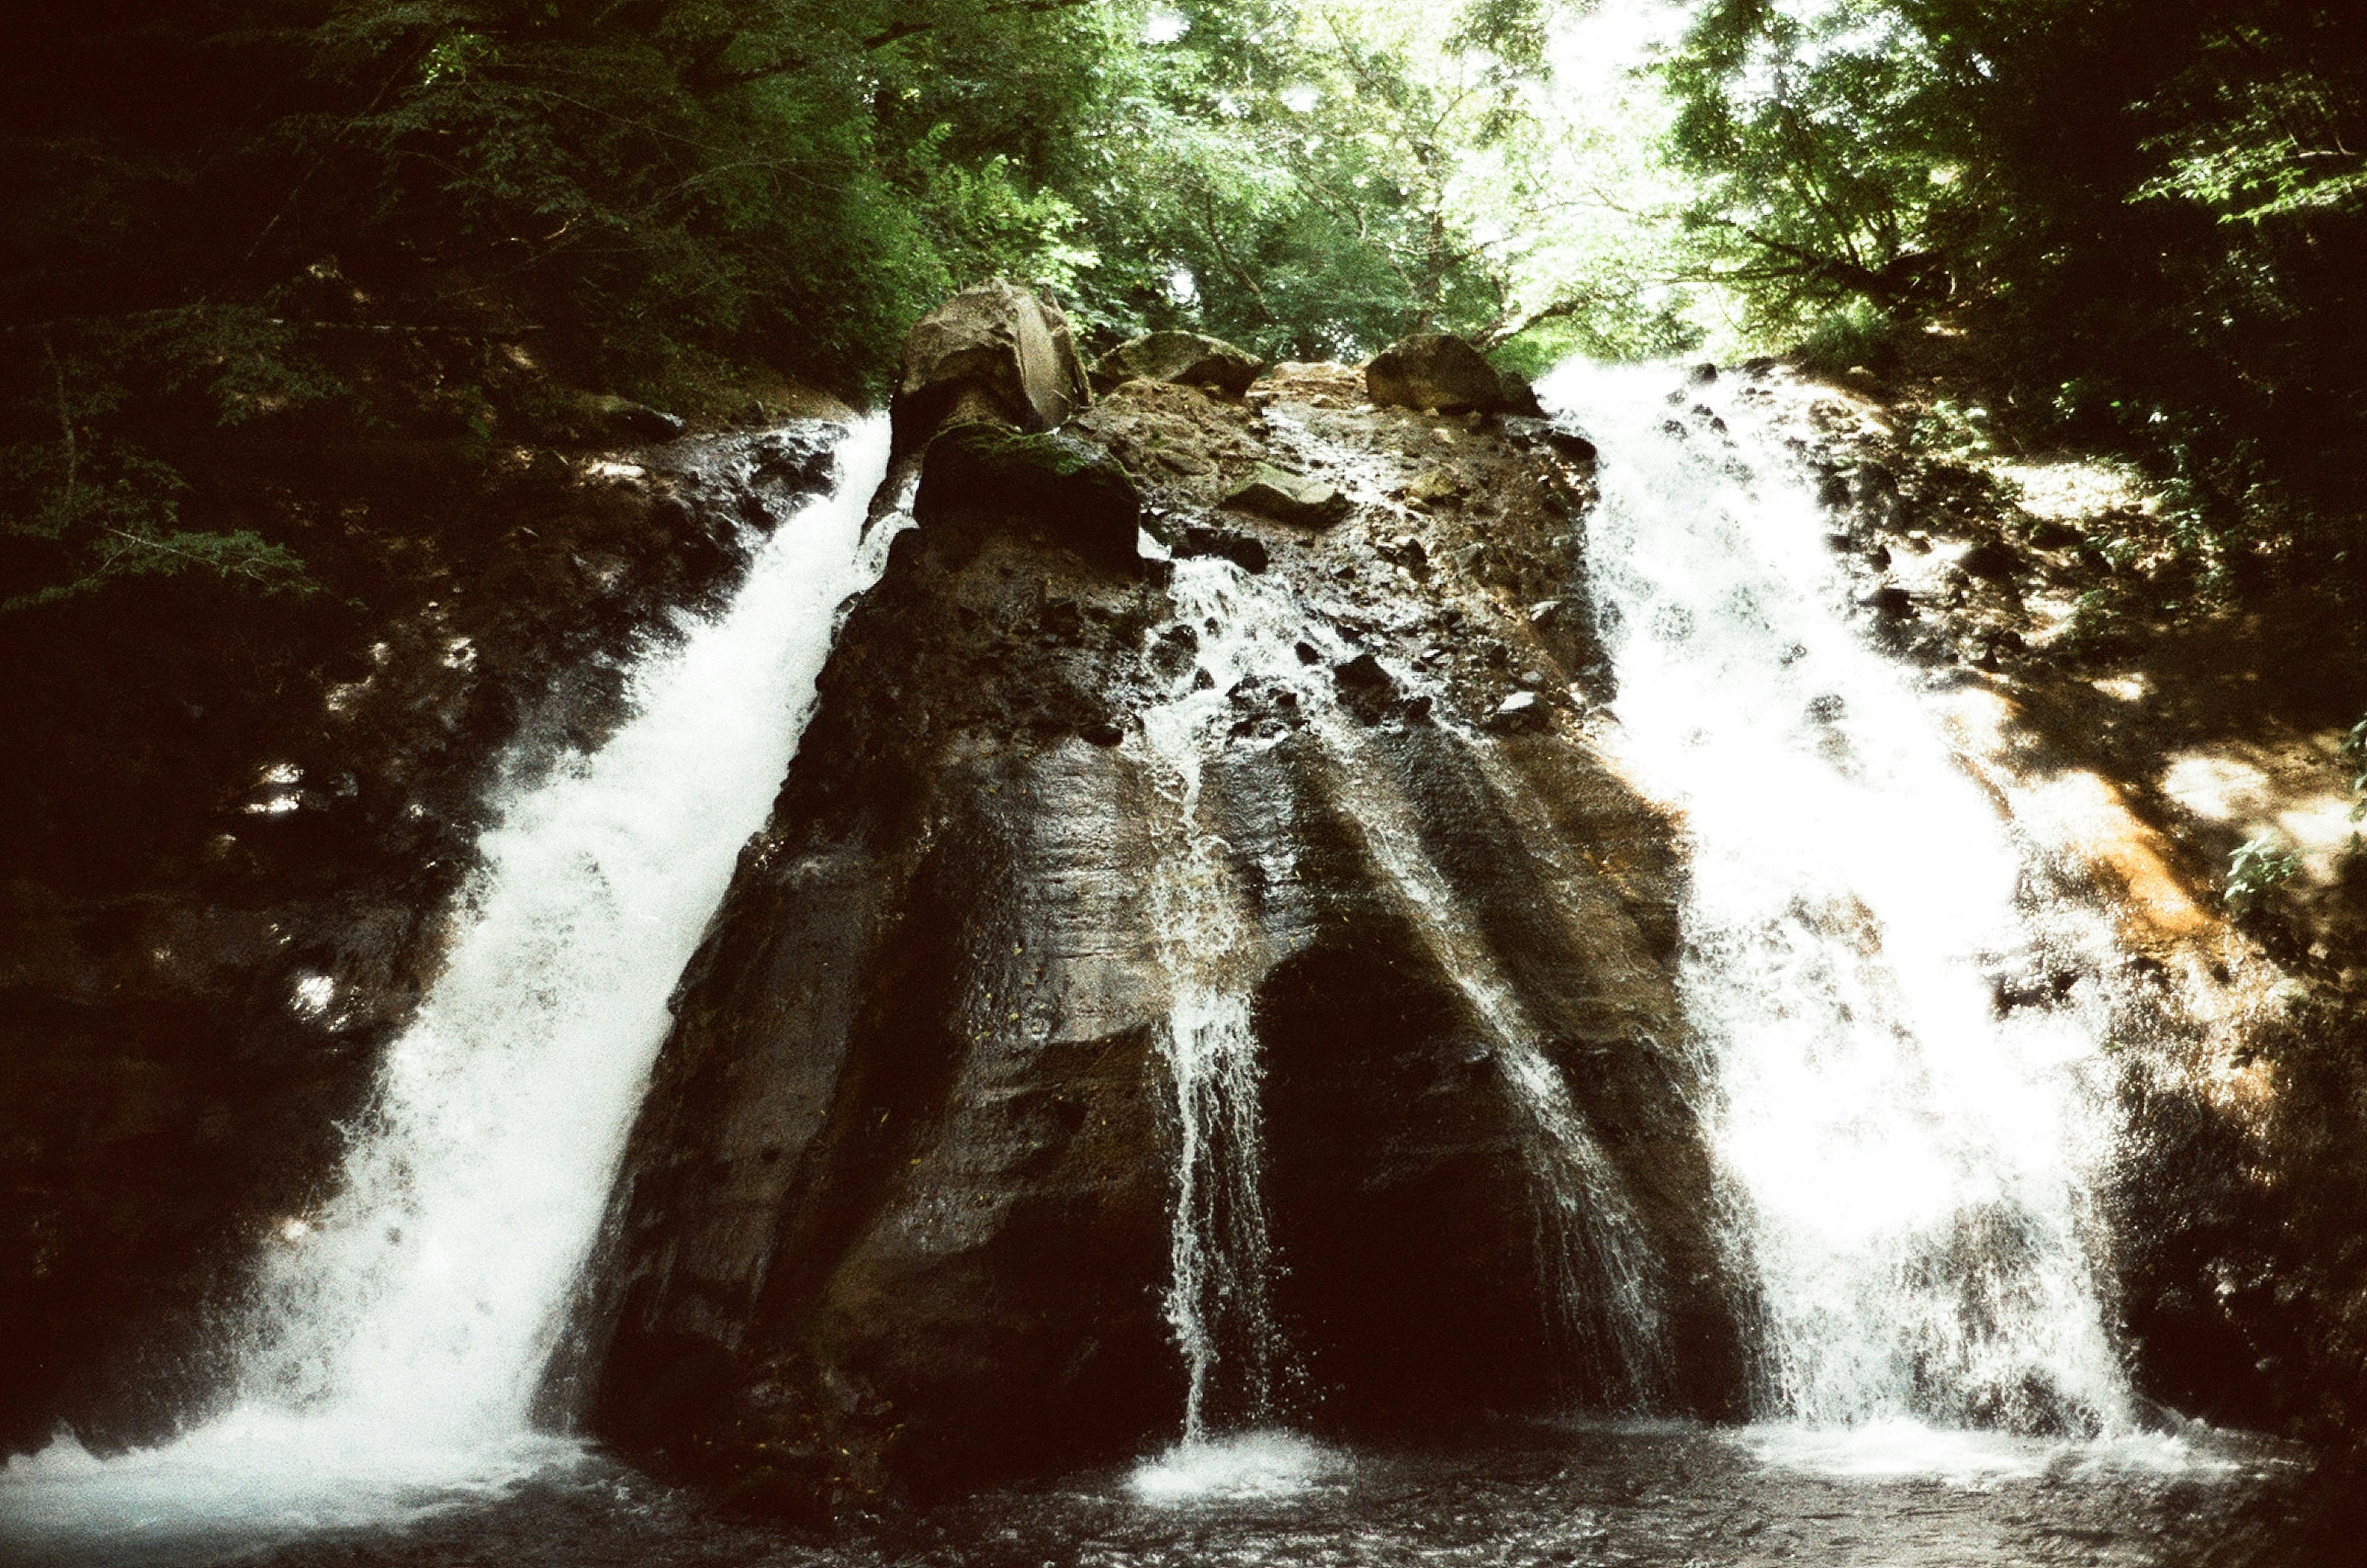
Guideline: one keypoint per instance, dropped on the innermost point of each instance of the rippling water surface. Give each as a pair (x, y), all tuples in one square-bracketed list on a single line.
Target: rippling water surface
[(1900, 1497)]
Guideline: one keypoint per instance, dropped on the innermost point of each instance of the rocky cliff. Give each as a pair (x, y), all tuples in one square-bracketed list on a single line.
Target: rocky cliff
[(1242, 703), (899, 1210)]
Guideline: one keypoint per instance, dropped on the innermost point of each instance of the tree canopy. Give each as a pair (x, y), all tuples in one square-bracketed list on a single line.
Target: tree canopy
[(2146, 215), (2147, 211)]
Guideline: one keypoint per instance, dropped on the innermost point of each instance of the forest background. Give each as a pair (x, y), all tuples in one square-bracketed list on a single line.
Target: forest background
[(2135, 226)]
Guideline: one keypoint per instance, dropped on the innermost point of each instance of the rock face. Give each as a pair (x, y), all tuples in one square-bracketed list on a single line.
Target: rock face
[(1439, 371), (996, 352), (897, 1212), (1191, 358), (979, 477)]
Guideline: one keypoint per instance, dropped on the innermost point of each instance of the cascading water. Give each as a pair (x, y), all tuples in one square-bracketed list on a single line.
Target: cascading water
[(1598, 1267), (1217, 1288), (394, 1357), (1911, 1167), (1601, 1275)]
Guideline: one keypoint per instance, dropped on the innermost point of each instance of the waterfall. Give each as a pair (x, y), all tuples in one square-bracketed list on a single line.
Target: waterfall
[(1911, 1164), (1601, 1276), (1596, 1265), (1219, 1269), (402, 1331)]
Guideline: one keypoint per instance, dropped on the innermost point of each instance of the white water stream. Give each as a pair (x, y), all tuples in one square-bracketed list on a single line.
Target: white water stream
[(402, 1332), (1594, 1260), (1218, 1289), (1911, 1168)]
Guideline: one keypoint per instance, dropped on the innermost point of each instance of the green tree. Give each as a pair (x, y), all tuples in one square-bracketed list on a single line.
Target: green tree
[(2143, 214)]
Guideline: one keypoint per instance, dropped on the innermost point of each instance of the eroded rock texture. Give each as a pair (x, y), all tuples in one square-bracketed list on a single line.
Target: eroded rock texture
[(898, 1212)]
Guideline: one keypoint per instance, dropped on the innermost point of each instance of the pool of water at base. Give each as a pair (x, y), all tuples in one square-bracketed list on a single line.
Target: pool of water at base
[(1660, 1495)]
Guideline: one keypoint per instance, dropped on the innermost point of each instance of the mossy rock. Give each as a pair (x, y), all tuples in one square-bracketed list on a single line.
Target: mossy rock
[(1287, 498), (1191, 358), (977, 477)]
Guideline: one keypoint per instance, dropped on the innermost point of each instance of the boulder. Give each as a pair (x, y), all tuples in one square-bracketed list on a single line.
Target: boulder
[(1364, 687), (1437, 370), (1249, 554), (1287, 498), (1521, 712), (1571, 445), (995, 352), (978, 476), (896, 1219), (621, 419), (1520, 398), (1434, 485), (1193, 358)]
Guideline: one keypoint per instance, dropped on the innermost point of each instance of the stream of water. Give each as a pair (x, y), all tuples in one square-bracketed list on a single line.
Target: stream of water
[(391, 1361), (1912, 1165)]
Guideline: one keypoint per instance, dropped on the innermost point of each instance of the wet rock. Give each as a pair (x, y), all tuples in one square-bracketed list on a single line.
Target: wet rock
[(800, 457), (1244, 552), (995, 352), (1364, 687), (1571, 445), (623, 419), (977, 475), (905, 1139), (1437, 370), (1409, 554), (910, 1135), (1289, 498), (1520, 713), (1191, 358), (1890, 603)]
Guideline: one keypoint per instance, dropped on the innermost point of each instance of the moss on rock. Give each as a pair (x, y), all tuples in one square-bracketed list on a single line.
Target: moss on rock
[(978, 476)]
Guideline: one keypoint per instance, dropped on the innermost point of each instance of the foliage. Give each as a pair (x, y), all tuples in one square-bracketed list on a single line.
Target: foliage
[(2354, 752), (2256, 867), (2143, 215), (208, 205), (1286, 177)]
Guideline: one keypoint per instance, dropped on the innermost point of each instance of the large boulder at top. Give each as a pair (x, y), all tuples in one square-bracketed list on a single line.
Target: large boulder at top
[(1193, 358), (1435, 370), (978, 476), (995, 352)]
